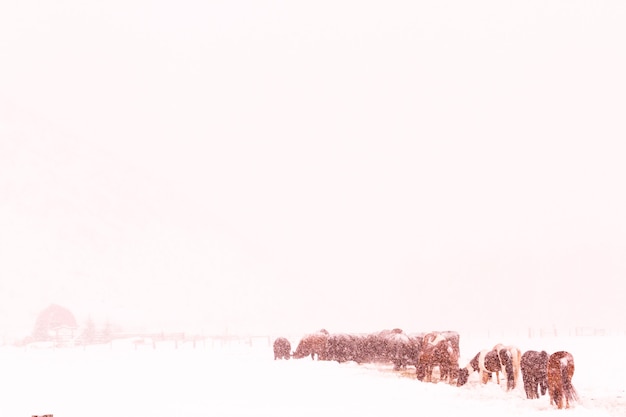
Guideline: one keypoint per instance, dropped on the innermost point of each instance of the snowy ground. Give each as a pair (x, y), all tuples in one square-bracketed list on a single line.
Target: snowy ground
[(244, 380)]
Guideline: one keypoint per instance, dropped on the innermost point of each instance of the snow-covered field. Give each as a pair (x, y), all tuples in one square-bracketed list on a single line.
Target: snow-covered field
[(240, 379)]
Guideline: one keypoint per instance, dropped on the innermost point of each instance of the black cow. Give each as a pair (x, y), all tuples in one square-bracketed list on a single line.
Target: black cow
[(535, 372)]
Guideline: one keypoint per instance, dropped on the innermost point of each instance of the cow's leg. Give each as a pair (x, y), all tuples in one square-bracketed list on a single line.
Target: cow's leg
[(530, 388), (535, 388)]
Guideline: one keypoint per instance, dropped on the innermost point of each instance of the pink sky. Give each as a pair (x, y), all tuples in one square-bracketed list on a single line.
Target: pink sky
[(285, 167)]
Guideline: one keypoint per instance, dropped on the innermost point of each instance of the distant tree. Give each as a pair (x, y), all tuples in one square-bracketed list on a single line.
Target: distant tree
[(51, 319), (107, 332), (88, 335)]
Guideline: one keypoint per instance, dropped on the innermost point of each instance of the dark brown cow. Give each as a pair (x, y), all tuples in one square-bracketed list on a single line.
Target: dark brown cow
[(314, 344), (342, 347), (403, 349), (560, 371), (534, 373), (415, 347), (439, 349), (385, 346), (282, 348), (375, 346)]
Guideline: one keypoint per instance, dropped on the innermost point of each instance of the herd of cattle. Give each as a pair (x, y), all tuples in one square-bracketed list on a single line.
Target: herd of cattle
[(439, 351)]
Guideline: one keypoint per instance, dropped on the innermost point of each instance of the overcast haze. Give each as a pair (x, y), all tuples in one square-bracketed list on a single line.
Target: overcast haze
[(269, 167)]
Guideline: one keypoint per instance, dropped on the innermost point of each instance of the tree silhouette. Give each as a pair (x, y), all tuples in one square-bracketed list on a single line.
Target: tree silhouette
[(51, 319)]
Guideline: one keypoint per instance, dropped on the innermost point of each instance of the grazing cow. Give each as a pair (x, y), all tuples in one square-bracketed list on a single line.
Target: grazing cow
[(439, 349), (534, 372), (510, 357), (314, 344), (342, 347), (385, 346), (416, 340), (401, 349), (375, 346), (282, 348), (485, 362), (560, 371), (499, 359)]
